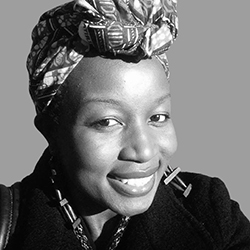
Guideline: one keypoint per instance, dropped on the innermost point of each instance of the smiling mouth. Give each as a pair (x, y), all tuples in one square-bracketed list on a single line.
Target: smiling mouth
[(133, 187), (136, 182)]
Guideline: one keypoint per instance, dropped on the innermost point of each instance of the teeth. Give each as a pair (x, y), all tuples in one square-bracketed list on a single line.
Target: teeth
[(124, 181), (138, 182)]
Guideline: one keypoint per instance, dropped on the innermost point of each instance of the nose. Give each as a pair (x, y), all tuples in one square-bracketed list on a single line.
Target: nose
[(139, 145)]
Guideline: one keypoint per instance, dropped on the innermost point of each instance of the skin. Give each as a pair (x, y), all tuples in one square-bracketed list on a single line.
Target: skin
[(115, 121)]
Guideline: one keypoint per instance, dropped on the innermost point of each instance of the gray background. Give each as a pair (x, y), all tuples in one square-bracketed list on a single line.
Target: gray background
[(210, 91)]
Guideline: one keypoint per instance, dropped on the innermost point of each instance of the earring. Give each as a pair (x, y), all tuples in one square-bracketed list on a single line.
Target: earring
[(173, 179)]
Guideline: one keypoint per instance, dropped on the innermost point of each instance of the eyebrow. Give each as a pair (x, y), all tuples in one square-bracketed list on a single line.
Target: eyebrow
[(162, 99), (102, 100), (117, 102)]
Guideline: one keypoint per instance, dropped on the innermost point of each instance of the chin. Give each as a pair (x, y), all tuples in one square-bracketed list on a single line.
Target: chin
[(134, 206), (136, 209)]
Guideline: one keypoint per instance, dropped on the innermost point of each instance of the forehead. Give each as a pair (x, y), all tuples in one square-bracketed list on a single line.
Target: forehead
[(102, 78)]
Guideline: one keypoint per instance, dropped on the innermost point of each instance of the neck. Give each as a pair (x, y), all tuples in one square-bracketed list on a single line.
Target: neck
[(101, 225)]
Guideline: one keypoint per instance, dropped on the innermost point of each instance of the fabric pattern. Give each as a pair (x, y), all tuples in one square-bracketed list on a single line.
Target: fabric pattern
[(66, 33)]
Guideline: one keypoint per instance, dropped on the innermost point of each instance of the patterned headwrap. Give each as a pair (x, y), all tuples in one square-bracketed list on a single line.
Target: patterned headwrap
[(65, 34)]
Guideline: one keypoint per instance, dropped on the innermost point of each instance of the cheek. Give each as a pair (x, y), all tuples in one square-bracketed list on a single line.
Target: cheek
[(88, 153), (168, 141)]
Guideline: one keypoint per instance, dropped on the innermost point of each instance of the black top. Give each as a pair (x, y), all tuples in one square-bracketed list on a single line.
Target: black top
[(206, 219)]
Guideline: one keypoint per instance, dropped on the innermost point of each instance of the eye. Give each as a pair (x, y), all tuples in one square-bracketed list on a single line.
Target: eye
[(105, 123), (159, 118)]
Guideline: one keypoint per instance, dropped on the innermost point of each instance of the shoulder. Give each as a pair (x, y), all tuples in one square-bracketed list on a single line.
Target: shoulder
[(210, 203), (205, 189), (209, 195)]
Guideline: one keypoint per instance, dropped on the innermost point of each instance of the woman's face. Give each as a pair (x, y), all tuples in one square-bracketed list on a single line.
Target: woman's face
[(115, 137)]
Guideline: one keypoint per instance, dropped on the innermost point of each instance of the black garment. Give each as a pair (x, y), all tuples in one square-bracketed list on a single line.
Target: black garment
[(206, 219)]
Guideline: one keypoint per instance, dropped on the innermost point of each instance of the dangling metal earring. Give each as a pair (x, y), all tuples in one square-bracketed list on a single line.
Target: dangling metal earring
[(173, 179), (171, 174)]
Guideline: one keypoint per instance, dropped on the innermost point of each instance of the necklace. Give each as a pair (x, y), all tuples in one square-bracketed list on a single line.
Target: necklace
[(77, 224)]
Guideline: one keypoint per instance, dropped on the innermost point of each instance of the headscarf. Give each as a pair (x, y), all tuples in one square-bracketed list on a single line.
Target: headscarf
[(66, 33)]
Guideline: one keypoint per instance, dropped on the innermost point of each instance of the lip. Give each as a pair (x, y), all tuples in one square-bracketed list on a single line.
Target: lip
[(140, 173), (133, 190)]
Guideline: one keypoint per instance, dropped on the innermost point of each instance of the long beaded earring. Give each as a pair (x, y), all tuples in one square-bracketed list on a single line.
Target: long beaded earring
[(175, 181)]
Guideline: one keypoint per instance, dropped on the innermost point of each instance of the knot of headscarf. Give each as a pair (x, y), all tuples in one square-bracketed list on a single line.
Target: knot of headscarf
[(65, 34), (123, 26)]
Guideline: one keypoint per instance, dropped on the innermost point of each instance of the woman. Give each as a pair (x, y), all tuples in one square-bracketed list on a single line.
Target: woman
[(99, 80)]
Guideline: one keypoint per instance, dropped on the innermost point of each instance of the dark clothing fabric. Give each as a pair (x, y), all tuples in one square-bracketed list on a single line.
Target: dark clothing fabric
[(206, 219)]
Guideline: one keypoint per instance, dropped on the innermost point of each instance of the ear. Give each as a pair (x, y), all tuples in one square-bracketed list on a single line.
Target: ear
[(46, 126)]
